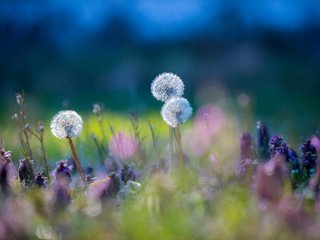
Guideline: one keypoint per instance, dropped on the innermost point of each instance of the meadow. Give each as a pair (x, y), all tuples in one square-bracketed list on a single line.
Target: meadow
[(232, 184), (94, 145)]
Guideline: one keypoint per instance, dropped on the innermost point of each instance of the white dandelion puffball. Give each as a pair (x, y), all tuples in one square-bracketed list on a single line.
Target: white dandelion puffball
[(176, 111), (166, 86), (66, 124)]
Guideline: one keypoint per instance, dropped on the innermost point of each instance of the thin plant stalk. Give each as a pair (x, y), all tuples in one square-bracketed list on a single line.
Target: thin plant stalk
[(153, 135), (170, 147), (99, 148), (43, 150), (178, 138), (24, 138), (97, 110), (100, 121), (137, 135), (111, 129), (104, 138), (44, 157), (77, 162)]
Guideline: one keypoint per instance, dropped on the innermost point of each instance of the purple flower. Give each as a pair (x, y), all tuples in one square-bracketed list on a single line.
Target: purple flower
[(63, 171), (127, 174), (4, 178), (293, 159), (315, 141), (40, 180), (106, 187), (26, 173), (62, 196), (278, 145), (309, 158), (62, 175), (6, 170), (5, 155), (270, 179)]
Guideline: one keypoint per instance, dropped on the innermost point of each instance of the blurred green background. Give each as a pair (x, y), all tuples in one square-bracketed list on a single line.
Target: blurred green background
[(264, 56)]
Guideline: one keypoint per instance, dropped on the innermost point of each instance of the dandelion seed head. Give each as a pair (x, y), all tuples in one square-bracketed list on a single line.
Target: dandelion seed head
[(176, 111), (97, 108), (166, 86), (66, 124)]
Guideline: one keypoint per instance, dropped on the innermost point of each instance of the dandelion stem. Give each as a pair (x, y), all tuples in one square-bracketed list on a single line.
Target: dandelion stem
[(23, 128), (77, 162), (178, 138), (170, 146)]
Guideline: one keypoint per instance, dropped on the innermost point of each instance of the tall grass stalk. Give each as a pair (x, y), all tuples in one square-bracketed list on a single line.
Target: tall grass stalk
[(39, 135)]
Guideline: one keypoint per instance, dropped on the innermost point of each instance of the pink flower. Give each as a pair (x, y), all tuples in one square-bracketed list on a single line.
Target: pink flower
[(208, 122), (123, 146), (270, 178), (315, 141), (195, 142), (209, 119)]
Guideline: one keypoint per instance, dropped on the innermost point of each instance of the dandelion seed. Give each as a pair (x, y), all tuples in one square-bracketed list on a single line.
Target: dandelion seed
[(166, 86), (176, 111), (66, 124)]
